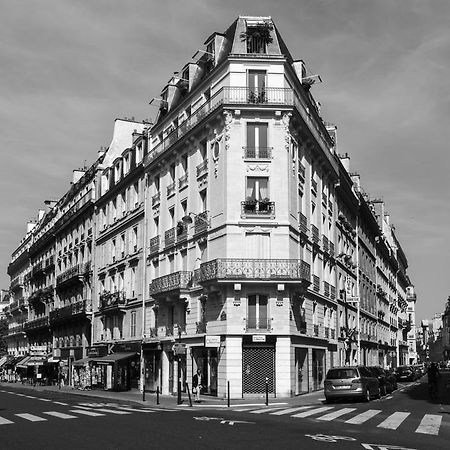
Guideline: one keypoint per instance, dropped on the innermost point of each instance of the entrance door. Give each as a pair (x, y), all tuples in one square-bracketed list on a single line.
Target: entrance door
[(258, 363), (318, 367), (301, 367)]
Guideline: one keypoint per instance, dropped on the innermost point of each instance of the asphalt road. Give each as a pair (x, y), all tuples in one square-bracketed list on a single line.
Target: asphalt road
[(408, 419)]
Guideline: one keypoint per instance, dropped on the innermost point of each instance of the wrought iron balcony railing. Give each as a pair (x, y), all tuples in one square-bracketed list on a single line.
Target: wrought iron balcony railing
[(154, 245), (260, 324), (169, 237), (316, 283), (112, 300), (35, 324), (325, 244), (258, 152), (316, 330), (171, 189), (255, 269), (73, 273), (326, 289), (183, 181), (315, 234), (257, 208), (156, 199), (201, 222), (303, 223), (202, 169), (16, 329), (200, 327), (171, 282), (68, 311)]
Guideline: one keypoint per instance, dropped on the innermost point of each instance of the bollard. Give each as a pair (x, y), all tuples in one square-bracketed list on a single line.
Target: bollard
[(228, 394), (267, 391), (143, 393), (189, 394), (157, 395)]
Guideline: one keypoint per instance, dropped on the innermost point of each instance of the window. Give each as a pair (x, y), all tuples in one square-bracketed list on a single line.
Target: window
[(257, 86), (257, 188), (136, 193), (133, 324), (134, 238), (133, 281), (257, 314), (257, 141)]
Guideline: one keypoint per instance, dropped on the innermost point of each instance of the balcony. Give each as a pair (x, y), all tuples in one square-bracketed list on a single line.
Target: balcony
[(75, 273), (37, 324), (37, 269), (273, 270), (259, 208), (315, 235), (200, 327), (156, 199), (316, 330), (15, 330), (202, 169), (183, 182), (17, 282), (257, 152), (154, 245), (326, 332), (326, 289), (176, 281), (112, 302), (316, 283), (171, 189), (252, 324), (303, 224), (332, 292), (332, 333), (326, 244), (69, 312), (170, 237), (201, 222)]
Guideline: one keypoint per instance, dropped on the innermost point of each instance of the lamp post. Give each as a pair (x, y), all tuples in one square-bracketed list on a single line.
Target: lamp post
[(179, 366)]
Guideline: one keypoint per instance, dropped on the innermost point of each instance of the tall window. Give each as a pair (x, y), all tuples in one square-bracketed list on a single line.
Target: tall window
[(133, 324), (133, 281), (257, 86), (257, 141), (257, 188), (257, 312)]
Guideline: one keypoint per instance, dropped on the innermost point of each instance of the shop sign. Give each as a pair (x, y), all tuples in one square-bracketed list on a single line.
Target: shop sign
[(212, 341), (127, 347), (38, 350), (179, 349), (95, 352), (258, 338)]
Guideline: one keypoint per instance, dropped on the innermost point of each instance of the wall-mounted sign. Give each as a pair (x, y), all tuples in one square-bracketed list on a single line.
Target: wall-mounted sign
[(212, 341), (38, 350), (179, 349), (259, 338)]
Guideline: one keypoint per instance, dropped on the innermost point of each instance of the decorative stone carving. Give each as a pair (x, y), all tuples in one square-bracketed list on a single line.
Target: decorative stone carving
[(257, 167), (228, 117), (287, 136)]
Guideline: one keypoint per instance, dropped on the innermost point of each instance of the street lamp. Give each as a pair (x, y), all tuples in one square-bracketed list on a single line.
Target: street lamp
[(187, 219), (179, 366)]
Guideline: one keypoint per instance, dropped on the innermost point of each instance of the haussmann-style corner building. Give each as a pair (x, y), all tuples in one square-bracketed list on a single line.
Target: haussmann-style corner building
[(228, 236)]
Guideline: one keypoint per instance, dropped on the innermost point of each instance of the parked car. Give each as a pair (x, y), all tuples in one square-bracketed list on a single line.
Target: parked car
[(405, 373), (351, 382), (419, 369), (391, 380), (382, 379)]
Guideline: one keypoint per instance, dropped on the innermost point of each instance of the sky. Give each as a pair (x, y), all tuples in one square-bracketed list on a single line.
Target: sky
[(69, 68)]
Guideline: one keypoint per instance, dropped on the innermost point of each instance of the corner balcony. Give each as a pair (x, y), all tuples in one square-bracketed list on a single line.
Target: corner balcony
[(36, 324), (172, 283), (16, 330), (258, 208), (272, 270), (112, 302), (69, 312), (258, 325), (73, 274)]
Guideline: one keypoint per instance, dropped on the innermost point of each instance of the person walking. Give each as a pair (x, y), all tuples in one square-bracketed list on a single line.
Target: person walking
[(433, 375), (197, 385)]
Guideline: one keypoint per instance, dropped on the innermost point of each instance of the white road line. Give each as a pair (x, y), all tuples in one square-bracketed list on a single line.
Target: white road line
[(264, 410), (335, 414), (123, 408), (29, 396), (61, 403), (111, 411), (60, 415), (242, 409), (4, 421), (45, 399), (290, 410), (86, 413), (430, 424), (363, 417), (313, 411), (31, 417), (394, 420)]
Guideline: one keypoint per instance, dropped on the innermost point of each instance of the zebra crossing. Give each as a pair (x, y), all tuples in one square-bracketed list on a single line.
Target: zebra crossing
[(429, 423), (76, 412)]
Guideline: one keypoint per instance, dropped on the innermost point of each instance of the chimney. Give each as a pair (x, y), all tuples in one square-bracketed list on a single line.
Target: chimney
[(41, 214), (30, 226), (300, 69), (77, 174), (345, 159)]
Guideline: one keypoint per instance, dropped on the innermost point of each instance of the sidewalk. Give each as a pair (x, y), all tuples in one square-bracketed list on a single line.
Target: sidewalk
[(170, 401)]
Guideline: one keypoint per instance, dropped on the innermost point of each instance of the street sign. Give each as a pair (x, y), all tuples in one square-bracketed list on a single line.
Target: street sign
[(179, 349), (212, 341), (259, 338)]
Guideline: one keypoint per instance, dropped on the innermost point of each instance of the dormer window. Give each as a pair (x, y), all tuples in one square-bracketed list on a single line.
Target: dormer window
[(257, 36)]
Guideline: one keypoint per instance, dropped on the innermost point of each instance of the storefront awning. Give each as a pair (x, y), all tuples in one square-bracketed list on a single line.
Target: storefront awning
[(114, 357), (22, 364), (52, 360), (81, 362), (3, 360)]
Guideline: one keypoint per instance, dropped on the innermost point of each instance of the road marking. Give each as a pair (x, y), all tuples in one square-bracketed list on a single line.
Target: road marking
[(312, 411), (242, 409), (86, 413), (30, 396), (123, 408), (264, 410), (111, 411), (4, 421), (430, 424), (60, 415), (290, 410), (335, 414), (363, 417), (394, 420), (61, 403), (31, 417), (44, 399)]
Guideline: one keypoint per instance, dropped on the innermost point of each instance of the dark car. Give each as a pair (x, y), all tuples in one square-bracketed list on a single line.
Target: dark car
[(405, 373), (382, 379), (351, 382)]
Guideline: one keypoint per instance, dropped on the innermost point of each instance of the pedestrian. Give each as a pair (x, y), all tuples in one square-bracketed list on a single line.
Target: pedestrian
[(433, 375), (197, 385)]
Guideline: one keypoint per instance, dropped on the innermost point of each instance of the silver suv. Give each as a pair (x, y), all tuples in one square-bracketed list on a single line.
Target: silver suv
[(351, 382)]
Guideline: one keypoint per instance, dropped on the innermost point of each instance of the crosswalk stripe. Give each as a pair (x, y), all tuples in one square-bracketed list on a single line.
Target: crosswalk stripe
[(61, 403), (264, 410), (242, 409), (111, 411), (394, 420), (31, 417), (290, 410), (4, 421), (86, 413), (430, 424), (335, 414), (312, 411), (123, 408), (363, 417), (60, 415)]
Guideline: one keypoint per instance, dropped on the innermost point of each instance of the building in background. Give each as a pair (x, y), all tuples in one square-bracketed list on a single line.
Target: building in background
[(228, 237)]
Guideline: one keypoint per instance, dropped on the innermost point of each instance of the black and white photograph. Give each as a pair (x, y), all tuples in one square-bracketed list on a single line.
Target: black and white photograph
[(225, 224)]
